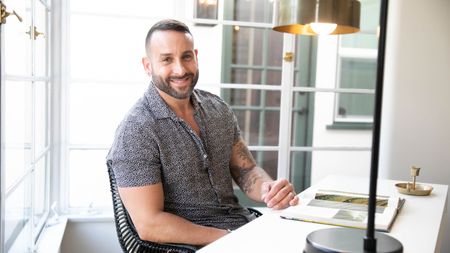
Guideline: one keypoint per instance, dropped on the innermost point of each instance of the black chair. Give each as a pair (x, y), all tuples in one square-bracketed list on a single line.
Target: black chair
[(128, 237)]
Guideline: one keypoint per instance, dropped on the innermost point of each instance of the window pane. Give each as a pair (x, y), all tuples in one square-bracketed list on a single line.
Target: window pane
[(40, 191), (359, 41), (273, 77), (302, 118), (322, 119), (275, 49), (89, 183), (258, 114), (248, 46), (96, 110), (268, 160), (17, 132), (206, 9), (18, 218), (132, 7), (300, 170), (355, 107), (41, 117), (40, 44), (253, 76), (252, 55), (367, 38), (246, 76), (305, 61), (117, 53), (360, 74), (17, 46), (259, 127), (249, 10), (324, 163)]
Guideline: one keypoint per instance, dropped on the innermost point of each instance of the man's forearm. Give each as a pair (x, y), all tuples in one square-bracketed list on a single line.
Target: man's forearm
[(245, 172), (250, 180), (168, 228)]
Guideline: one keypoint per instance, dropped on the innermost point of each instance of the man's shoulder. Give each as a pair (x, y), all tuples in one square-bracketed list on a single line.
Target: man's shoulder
[(138, 116)]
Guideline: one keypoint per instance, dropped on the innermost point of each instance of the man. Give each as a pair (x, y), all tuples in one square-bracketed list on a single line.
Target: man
[(177, 151)]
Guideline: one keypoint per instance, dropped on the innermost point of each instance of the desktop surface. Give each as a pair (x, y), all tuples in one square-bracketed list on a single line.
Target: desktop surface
[(419, 225)]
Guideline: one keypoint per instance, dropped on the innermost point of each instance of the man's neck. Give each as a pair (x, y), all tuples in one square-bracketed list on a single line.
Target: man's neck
[(181, 107)]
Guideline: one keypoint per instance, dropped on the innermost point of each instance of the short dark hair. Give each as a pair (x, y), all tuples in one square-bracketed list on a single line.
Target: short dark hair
[(166, 25)]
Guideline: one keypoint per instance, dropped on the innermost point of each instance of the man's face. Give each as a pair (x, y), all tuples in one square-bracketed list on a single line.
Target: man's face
[(173, 63)]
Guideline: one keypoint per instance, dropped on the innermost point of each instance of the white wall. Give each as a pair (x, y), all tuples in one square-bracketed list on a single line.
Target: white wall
[(90, 236), (416, 118)]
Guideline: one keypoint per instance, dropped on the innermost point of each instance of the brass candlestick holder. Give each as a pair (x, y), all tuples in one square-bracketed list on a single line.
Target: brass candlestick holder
[(414, 188)]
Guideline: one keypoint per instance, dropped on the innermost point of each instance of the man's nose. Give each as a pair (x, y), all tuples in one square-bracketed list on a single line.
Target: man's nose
[(179, 68)]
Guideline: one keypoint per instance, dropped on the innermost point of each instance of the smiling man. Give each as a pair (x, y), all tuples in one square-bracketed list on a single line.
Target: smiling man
[(178, 150)]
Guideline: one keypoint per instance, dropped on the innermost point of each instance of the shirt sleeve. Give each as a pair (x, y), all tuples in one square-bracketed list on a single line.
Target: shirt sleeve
[(135, 157)]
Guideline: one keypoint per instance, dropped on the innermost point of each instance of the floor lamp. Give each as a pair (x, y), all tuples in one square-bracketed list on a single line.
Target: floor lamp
[(313, 17)]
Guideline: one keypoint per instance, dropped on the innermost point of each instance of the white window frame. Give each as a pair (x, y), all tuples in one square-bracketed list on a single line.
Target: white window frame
[(46, 153)]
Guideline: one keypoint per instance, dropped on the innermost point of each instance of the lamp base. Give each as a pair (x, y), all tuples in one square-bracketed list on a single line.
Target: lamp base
[(334, 240)]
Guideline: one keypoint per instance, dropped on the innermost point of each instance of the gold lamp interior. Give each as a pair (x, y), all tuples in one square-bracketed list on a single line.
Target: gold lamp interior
[(296, 16)]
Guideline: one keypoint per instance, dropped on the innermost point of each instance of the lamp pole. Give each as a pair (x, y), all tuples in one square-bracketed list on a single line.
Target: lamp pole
[(294, 16), (370, 242)]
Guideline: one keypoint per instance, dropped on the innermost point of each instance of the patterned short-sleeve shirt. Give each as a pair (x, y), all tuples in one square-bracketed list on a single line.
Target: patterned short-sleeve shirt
[(154, 145)]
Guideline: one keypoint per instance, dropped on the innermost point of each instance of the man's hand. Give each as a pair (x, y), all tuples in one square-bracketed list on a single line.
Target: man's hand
[(278, 194)]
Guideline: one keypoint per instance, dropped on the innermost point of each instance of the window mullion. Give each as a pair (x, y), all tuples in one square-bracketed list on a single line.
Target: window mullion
[(58, 103), (287, 83)]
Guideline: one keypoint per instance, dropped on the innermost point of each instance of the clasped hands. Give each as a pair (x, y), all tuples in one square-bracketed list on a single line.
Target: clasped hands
[(278, 194)]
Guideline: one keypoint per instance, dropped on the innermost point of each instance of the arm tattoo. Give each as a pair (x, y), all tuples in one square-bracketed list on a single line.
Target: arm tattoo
[(244, 155), (243, 169)]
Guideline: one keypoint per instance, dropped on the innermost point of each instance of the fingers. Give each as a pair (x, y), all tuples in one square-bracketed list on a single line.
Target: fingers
[(281, 194), (294, 201), (274, 188)]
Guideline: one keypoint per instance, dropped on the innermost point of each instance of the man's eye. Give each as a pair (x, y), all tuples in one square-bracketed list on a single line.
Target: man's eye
[(187, 57)]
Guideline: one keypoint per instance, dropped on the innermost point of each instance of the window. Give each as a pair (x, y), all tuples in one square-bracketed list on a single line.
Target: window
[(25, 130), (106, 78), (283, 108), (355, 73), (252, 85), (345, 78), (357, 68)]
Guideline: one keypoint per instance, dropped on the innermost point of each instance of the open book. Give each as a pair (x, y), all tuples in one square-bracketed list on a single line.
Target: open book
[(344, 209)]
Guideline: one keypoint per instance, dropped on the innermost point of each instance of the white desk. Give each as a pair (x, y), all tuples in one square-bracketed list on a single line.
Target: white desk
[(419, 226)]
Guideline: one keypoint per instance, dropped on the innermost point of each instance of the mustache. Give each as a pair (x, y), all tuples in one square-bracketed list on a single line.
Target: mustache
[(181, 77)]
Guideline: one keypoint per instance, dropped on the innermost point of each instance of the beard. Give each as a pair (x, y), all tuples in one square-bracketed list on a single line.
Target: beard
[(164, 85)]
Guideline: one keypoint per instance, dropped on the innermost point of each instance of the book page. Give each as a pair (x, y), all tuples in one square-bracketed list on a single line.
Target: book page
[(342, 208), (347, 201)]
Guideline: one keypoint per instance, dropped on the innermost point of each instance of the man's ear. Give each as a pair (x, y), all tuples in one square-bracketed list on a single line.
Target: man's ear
[(147, 65)]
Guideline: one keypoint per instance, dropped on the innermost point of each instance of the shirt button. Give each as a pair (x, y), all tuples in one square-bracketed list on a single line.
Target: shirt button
[(205, 156)]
